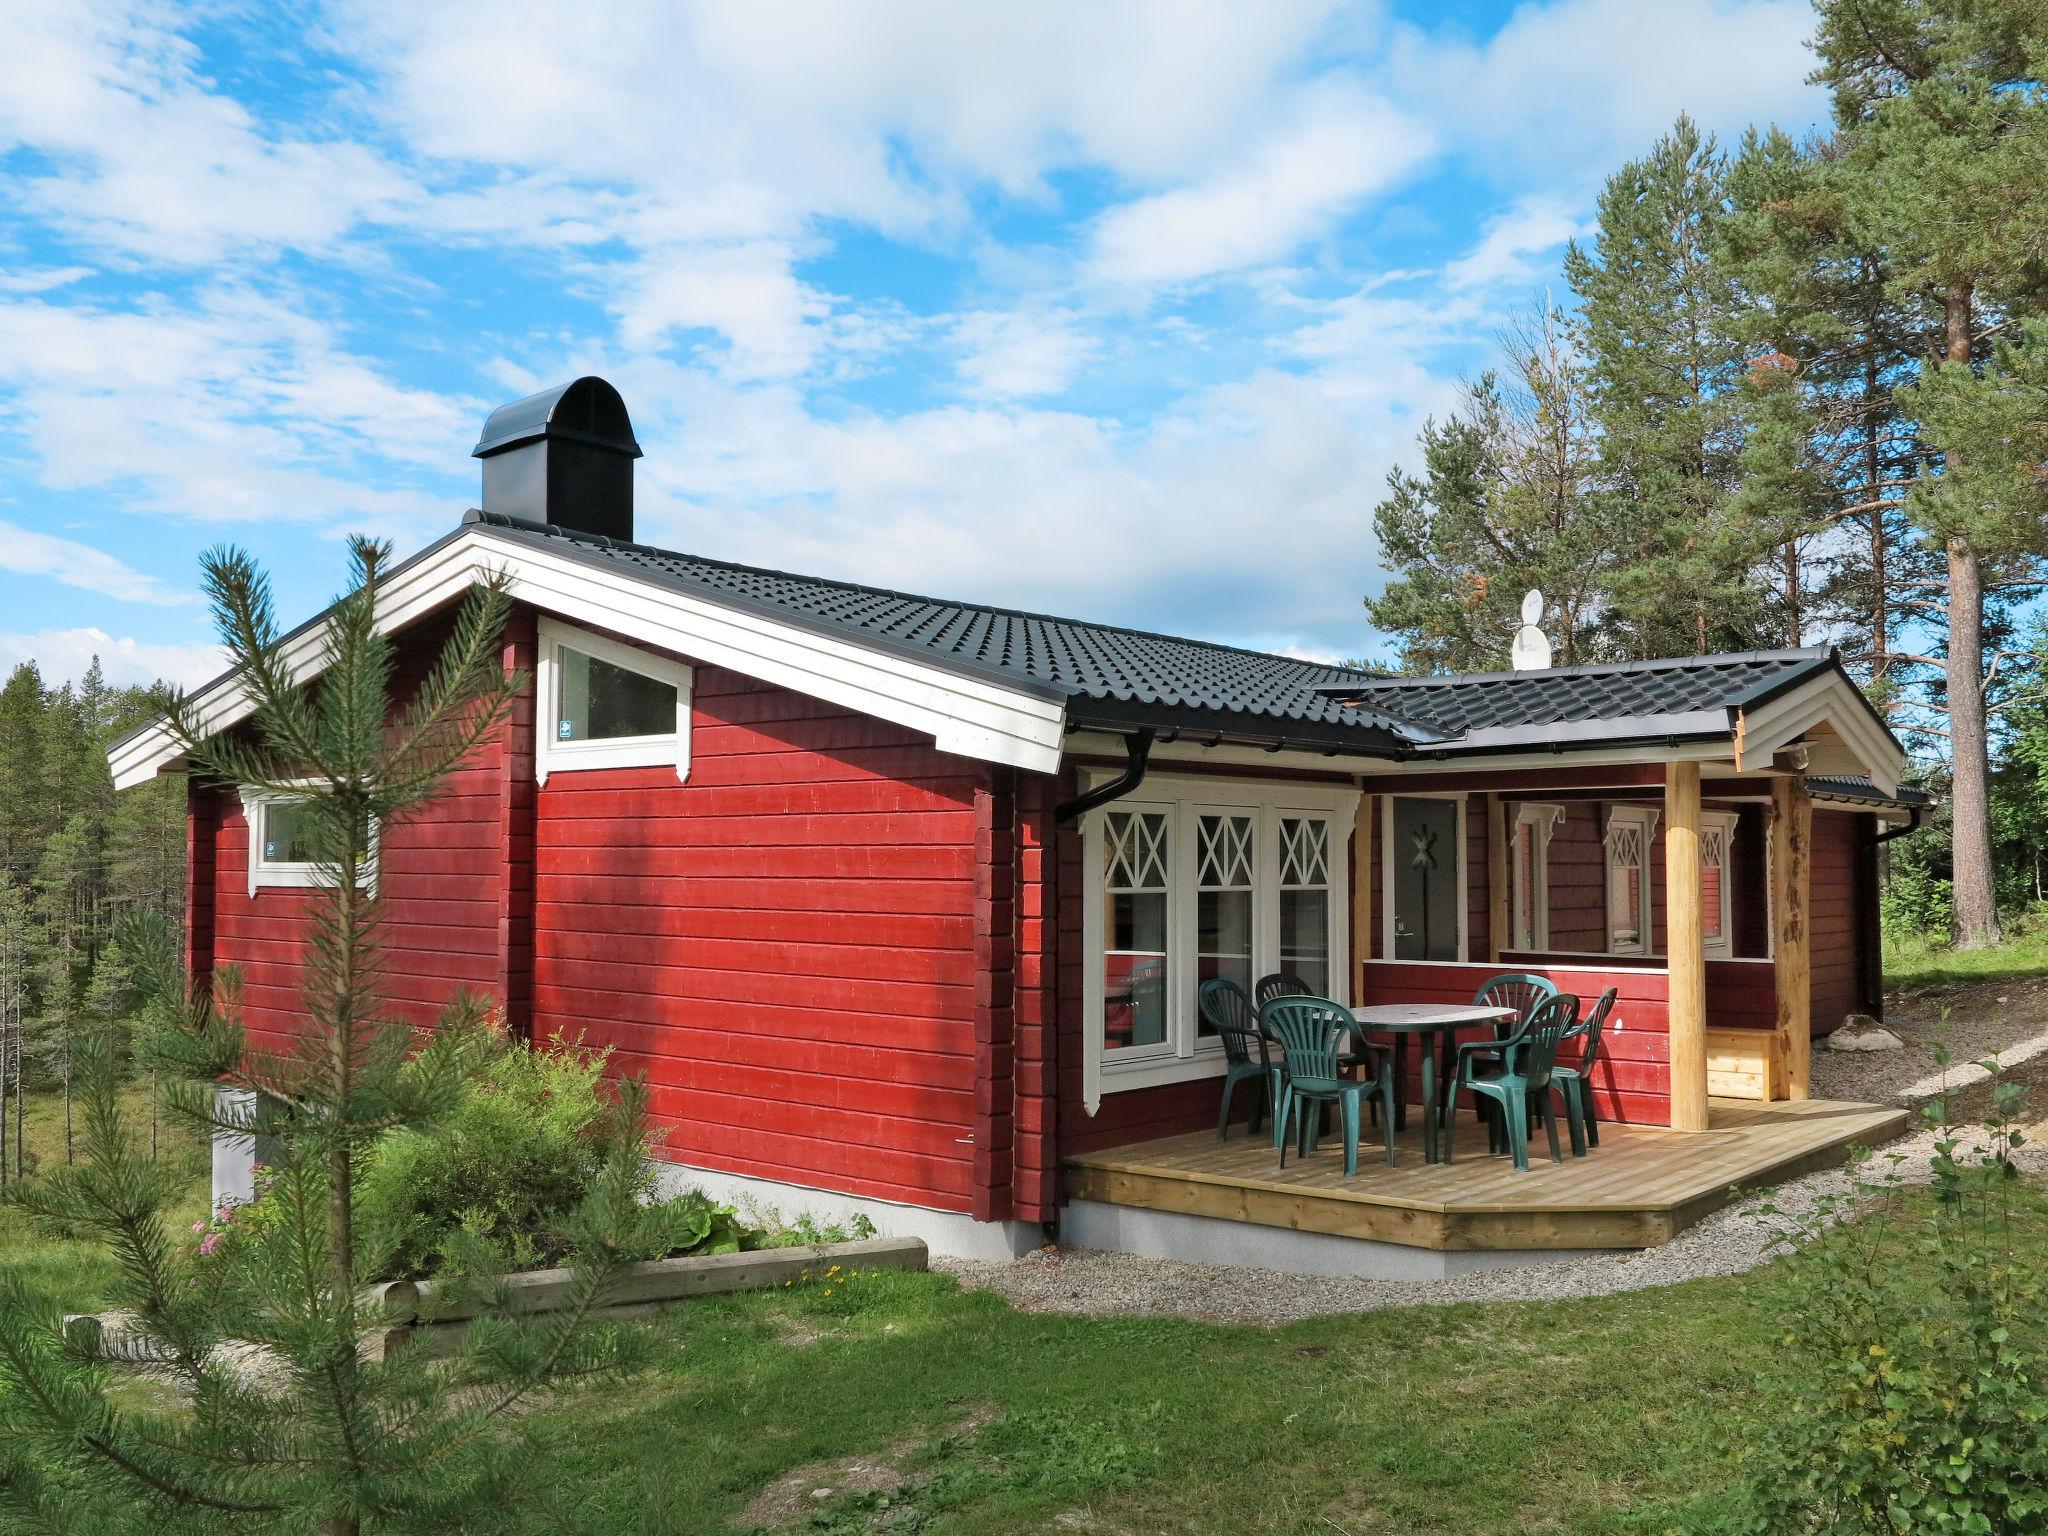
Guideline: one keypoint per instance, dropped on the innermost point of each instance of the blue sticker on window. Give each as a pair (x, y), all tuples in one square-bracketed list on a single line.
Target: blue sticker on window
[(566, 729), (270, 850)]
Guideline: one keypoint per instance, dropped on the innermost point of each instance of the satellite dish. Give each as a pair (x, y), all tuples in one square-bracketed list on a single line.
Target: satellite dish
[(1531, 650)]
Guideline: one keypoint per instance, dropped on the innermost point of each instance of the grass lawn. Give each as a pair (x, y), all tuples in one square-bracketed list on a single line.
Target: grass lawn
[(924, 1408), (1914, 965)]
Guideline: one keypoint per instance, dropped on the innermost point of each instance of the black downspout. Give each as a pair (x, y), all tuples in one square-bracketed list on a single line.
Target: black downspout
[(1138, 751), (1914, 815)]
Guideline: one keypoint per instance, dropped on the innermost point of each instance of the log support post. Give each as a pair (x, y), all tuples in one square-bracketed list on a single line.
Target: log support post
[(1792, 950), (1361, 896), (1497, 939), (1683, 947)]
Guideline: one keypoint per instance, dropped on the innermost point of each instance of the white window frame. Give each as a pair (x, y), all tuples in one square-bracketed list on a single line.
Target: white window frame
[(296, 874), (1722, 948), (551, 755), (1387, 875), (1186, 1054), (1529, 921), (1643, 817)]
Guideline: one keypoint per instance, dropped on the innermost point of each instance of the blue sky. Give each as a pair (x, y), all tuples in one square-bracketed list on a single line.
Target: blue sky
[(1120, 311)]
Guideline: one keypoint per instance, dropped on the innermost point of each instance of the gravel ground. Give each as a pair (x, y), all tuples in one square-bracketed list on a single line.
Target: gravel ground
[(2010, 1022)]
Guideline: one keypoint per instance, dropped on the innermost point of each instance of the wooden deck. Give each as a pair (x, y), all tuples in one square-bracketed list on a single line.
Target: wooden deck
[(1640, 1187)]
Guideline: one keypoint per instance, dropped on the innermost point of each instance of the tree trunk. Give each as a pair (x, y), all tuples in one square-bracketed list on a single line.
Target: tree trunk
[(1976, 896), (1970, 782)]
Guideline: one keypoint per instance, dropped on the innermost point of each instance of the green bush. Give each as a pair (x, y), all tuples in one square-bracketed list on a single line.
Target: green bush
[(502, 1184), (1911, 1390)]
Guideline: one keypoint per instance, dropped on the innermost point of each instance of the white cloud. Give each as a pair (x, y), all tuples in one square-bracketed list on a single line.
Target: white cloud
[(64, 654), (240, 406), (1341, 146), (27, 552), (1565, 90), (1241, 513), (746, 293), (1531, 226), (1020, 354), (152, 159)]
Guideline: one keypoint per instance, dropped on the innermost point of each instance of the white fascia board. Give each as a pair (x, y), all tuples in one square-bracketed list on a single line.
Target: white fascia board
[(971, 717), (1832, 700)]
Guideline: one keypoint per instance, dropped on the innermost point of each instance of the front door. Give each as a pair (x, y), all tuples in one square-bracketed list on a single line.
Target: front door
[(1424, 854)]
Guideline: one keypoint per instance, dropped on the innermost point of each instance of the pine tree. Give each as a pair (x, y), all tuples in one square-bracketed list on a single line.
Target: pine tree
[(16, 943), (338, 1434), (1942, 169), (23, 824), (1662, 327), (1504, 503), (62, 957)]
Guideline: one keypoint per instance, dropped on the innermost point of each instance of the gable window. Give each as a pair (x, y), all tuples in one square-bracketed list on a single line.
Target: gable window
[(1629, 918), (1202, 880), (1529, 874), (608, 705), (282, 850), (1717, 845)]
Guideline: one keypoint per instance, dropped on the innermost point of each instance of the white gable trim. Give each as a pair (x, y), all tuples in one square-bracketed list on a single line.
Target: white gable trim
[(1831, 700), (965, 715)]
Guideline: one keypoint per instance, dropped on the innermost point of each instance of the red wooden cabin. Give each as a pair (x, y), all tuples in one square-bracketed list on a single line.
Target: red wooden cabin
[(906, 901)]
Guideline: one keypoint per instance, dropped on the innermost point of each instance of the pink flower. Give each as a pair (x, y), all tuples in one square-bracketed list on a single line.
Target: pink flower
[(211, 1242), (198, 1226)]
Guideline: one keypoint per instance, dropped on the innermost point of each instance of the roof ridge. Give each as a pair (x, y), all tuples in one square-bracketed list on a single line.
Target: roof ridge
[(1371, 682), (531, 525)]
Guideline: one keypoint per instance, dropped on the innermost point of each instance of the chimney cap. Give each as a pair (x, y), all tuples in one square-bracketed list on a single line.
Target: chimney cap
[(586, 410)]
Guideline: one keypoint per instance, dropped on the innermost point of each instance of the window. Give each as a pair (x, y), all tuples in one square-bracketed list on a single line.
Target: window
[(1202, 879), (1224, 892), (282, 851), (1529, 874), (608, 705), (1305, 900), (1136, 880), (1717, 847), (1629, 923)]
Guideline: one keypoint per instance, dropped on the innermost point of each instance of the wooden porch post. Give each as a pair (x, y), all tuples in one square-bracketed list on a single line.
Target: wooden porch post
[(1361, 897), (1497, 938), (1683, 947), (1791, 877)]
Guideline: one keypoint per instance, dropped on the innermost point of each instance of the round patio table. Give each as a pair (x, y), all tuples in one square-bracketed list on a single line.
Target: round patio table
[(1431, 1021)]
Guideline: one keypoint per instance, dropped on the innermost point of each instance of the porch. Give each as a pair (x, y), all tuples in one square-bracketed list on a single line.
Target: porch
[(1642, 1186)]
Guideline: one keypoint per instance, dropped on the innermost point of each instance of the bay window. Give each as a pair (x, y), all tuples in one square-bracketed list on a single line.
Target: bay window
[(1194, 881)]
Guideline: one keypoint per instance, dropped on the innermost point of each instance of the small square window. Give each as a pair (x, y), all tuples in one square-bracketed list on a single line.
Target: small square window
[(282, 847), (604, 704)]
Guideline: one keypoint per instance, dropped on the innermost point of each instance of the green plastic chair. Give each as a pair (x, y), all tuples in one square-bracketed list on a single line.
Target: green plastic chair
[(1517, 990), (1319, 1037), (1280, 984), (1246, 1054), (1577, 1078), (1522, 1082)]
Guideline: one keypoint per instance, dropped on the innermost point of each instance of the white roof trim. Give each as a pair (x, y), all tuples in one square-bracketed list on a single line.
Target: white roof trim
[(969, 716), (1833, 700)]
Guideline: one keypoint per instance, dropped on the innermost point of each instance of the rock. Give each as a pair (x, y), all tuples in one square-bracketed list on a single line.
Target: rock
[(1860, 1032)]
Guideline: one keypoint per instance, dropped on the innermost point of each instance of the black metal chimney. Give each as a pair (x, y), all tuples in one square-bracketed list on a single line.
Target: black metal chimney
[(564, 456)]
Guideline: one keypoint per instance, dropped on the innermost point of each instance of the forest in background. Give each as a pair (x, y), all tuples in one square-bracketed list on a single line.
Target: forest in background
[(74, 856), (1799, 396)]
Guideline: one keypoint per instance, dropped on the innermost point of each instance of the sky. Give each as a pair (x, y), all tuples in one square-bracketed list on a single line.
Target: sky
[(1117, 311)]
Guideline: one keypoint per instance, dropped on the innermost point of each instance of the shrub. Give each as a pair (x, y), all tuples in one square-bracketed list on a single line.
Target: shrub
[(1911, 1392), (500, 1185)]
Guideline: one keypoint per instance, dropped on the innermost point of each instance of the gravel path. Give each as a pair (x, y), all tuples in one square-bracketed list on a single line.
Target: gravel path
[(2011, 1022)]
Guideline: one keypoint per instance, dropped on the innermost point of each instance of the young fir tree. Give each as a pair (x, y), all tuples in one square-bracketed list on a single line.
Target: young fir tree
[(1504, 503), (1941, 112), (331, 1434), (1661, 319)]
